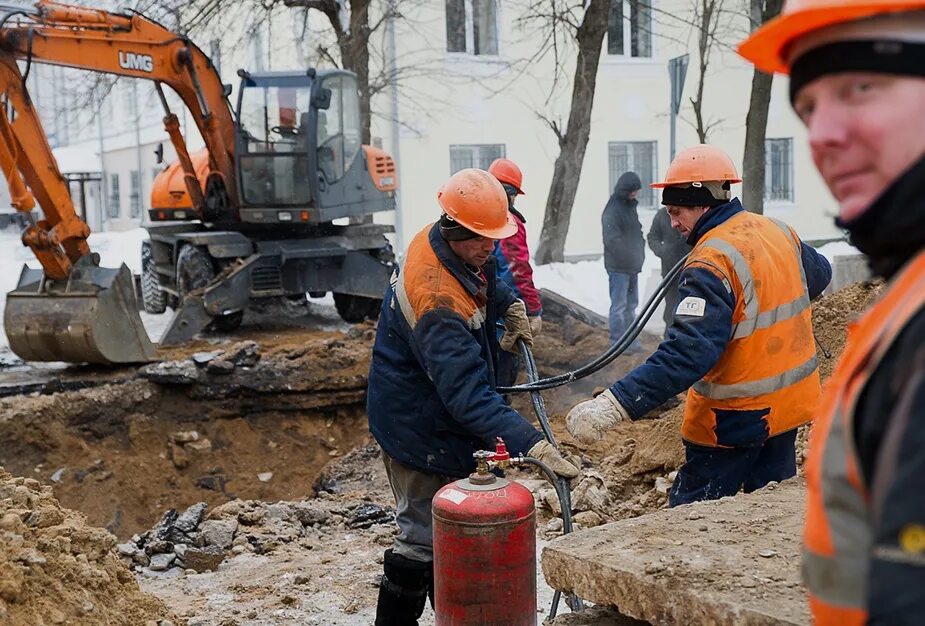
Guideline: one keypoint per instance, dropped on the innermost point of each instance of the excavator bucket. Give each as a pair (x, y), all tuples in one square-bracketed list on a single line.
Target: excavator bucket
[(91, 317)]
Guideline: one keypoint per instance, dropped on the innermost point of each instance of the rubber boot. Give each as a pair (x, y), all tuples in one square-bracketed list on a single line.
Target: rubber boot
[(403, 590)]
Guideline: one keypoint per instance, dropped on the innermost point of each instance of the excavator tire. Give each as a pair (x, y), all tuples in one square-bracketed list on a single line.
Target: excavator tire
[(355, 309), (195, 270), (153, 299)]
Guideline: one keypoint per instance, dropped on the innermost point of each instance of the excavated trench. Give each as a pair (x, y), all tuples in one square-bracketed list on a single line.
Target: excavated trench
[(251, 420)]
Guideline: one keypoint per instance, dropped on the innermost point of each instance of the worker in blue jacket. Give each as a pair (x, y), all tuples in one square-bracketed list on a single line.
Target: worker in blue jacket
[(431, 400), (741, 341)]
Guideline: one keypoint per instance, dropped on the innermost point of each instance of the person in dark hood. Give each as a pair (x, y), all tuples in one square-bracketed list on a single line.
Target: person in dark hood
[(670, 247), (857, 82), (624, 251)]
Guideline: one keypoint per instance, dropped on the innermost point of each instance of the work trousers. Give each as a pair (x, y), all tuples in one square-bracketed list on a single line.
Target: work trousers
[(710, 473), (624, 297), (413, 491)]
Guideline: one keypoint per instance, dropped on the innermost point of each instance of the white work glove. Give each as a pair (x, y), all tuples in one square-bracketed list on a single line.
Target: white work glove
[(588, 420), (516, 326), (536, 325), (546, 453)]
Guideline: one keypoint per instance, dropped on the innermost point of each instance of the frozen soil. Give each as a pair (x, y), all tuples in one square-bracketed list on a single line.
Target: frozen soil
[(289, 427), (55, 568)]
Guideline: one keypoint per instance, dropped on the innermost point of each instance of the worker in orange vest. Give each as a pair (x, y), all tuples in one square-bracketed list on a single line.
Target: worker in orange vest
[(741, 340), (857, 81)]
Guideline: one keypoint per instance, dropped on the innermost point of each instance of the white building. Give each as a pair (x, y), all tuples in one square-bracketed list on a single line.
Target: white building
[(472, 89)]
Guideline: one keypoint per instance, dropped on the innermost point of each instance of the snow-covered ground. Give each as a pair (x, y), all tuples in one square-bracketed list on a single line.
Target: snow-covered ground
[(584, 282)]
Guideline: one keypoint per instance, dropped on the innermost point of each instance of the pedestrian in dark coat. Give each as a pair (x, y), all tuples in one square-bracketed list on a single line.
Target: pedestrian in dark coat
[(624, 252), (670, 247)]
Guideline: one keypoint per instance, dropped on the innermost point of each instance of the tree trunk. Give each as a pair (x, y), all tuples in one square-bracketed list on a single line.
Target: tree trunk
[(354, 52), (756, 122), (704, 43), (572, 144)]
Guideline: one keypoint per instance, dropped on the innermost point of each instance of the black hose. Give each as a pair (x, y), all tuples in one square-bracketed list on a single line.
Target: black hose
[(611, 353), (560, 484)]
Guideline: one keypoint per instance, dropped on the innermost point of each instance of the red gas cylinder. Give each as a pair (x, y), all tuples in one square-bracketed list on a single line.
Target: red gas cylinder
[(484, 553)]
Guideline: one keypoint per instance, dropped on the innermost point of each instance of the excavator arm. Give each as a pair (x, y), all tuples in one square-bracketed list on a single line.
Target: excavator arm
[(75, 310)]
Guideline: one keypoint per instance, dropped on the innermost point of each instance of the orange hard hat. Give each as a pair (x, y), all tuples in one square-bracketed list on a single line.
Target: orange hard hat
[(507, 171), (697, 165), (768, 47), (476, 199)]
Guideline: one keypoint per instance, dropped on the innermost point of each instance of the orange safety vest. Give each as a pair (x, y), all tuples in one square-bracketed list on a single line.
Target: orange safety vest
[(770, 361), (838, 537)]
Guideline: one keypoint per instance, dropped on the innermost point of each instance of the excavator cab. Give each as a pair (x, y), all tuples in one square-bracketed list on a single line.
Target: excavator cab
[(300, 146)]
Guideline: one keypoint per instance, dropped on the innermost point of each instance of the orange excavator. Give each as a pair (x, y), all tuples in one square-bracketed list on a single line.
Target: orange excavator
[(250, 216)]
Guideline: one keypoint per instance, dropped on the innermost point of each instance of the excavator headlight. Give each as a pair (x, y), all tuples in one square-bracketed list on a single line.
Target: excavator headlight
[(284, 216)]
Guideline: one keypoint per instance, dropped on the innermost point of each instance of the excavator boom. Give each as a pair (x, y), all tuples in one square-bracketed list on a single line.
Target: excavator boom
[(74, 310)]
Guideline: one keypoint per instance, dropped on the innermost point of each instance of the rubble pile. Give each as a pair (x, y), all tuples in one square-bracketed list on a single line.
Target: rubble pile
[(56, 569), (192, 542)]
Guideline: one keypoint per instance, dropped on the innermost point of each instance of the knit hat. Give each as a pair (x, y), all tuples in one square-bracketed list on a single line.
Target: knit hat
[(451, 230)]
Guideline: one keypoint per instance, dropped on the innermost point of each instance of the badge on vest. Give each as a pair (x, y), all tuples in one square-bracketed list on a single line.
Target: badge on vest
[(695, 307)]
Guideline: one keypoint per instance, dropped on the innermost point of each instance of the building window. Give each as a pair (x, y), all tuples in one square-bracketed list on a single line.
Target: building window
[(130, 98), (256, 50), (135, 194), (778, 170), (215, 53), (472, 26), (115, 197), (636, 31), (635, 156), (475, 155)]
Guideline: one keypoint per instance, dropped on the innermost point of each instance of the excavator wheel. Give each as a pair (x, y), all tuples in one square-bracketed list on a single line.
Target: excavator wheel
[(195, 270), (355, 309), (153, 299)]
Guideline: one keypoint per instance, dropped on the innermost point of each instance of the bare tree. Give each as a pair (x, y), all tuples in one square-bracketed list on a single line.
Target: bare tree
[(756, 123), (353, 29), (707, 24), (563, 23)]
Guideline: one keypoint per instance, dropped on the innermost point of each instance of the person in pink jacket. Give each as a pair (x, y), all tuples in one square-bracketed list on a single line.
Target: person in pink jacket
[(512, 258)]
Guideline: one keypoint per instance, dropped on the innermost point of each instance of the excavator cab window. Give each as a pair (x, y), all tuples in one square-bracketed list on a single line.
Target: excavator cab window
[(339, 139), (274, 156)]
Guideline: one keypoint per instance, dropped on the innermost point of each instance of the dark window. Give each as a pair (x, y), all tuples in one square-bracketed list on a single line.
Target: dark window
[(455, 25), (475, 155), (135, 194), (115, 198), (638, 31), (485, 27), (635, 156), (615, 28), (778, 170)]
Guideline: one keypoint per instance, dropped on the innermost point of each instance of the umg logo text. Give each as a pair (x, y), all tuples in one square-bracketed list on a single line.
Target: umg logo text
[(139, 62)]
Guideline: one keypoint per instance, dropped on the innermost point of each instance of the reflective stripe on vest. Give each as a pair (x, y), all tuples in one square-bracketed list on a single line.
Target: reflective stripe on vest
[(838, 538), (754, 388), (753, 319), (769, 363)]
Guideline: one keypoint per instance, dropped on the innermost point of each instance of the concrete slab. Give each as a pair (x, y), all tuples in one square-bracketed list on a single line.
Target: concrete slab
[(731, 561)]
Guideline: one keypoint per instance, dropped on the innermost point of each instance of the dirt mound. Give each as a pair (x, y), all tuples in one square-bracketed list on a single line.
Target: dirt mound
[(56, 569), (631, 469), (833, 313), (246, 419)]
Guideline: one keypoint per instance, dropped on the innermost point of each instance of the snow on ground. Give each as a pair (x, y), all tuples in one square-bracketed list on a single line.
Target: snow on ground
[(837, 248), (585, 282)]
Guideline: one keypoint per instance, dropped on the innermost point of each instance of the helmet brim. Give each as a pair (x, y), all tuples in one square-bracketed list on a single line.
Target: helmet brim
[(502, 232), (672, 183), (768, 47)]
